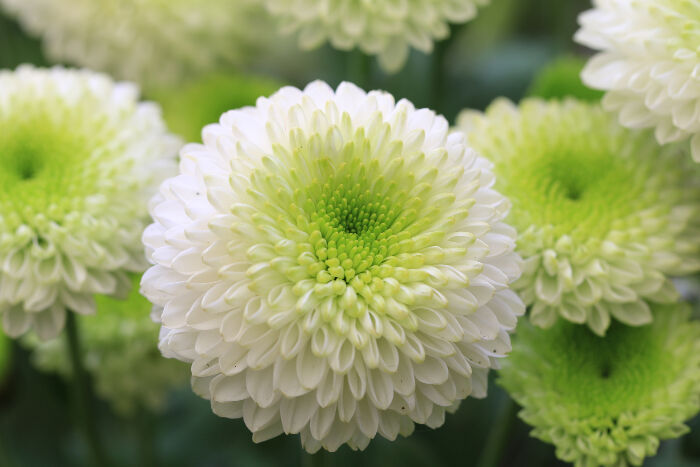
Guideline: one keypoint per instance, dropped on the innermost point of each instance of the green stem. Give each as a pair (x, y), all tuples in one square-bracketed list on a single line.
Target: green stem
[(82, 393), (5, 458), (359, 68), (146, 438), (499, 435), (438, 81), (315, 460)]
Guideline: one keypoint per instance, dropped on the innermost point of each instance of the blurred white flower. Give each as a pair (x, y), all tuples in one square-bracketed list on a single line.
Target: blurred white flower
[(384, 28), (649, 64), (333, 264), (147, 41), (79, 159)]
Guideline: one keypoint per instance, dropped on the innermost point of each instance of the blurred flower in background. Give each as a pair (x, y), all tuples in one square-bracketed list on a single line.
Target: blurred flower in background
[(346, 263), (79, 158), (120, 343), (561, 79), (148, 41), (190, 106), (607, 401), (604, 214), (649, 64), (387, 28)]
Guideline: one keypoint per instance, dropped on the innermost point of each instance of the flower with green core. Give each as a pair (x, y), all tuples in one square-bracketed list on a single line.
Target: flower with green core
[(147, 41), (79, 159), (386, 29), (648, 64), (561, 79), (188, 107), (607, 401), (604, 214), (121, 355), (335, 264)]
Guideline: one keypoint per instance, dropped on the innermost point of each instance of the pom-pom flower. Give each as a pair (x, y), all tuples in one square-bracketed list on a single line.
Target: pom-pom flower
[(604, 214), (333, 264), (188, 107), (648, 64), (121, 355), (79, 159), (150, 42), (386, 29), (607, 401)]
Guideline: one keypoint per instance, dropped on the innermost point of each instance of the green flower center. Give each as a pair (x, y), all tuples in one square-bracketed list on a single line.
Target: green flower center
[(572, 170), (606, 376), (572, 191), (352, 227), (26, 164), (47, 168), (351, 232)]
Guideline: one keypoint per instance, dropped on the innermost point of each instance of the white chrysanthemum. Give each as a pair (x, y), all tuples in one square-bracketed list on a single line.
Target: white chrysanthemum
[(79, 158), (649, 64), (333, 264), (148, 41), (381, 28)]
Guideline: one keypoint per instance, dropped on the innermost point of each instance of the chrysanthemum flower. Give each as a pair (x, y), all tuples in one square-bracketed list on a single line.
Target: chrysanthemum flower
[(121, 355), (561, 79), (604, 214), (190, 106), (147, 41), (607, 401), (648, 64), (333, 264), (79, 159), (386, 29)]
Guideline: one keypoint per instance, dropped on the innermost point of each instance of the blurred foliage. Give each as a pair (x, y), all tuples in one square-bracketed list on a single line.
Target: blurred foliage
[(498, 54), (120, 351), (187, 108), (561, 79)]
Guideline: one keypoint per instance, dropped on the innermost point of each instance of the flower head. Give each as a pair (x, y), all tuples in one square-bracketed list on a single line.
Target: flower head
[(121, 354), (189, 106), (147, 41), (604, 214), (561, 79), (648, 64), (333, 264), (79, 158), (386, 29), (607, 401)]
